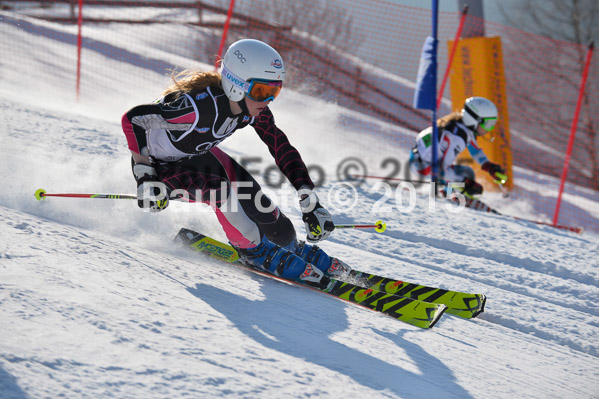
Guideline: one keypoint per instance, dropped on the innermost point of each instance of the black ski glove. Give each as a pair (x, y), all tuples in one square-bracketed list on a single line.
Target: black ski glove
[(319, 223), (493, 168), (472, 188), (151, 193)]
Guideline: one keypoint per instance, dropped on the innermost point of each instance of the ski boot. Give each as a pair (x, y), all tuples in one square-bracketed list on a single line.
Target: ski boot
[(333, 267), (281, 262)]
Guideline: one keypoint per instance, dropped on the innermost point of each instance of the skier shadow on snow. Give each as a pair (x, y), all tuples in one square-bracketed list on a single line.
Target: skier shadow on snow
[(9, 387), (303, 329)]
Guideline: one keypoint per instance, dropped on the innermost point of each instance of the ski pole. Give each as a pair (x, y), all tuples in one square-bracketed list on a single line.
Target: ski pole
[(41, 194), (476, 204), (502, 189), (379, 226), (394, 179), (578, 230)]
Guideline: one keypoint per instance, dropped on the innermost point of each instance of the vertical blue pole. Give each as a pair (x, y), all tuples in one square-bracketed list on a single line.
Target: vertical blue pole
[(435, 11)]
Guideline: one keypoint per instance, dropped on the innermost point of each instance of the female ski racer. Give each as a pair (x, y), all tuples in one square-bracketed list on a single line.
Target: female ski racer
[(174, 145), (456, 132)]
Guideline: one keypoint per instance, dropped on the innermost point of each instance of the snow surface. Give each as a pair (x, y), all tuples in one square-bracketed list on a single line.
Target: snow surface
[(96, 301)]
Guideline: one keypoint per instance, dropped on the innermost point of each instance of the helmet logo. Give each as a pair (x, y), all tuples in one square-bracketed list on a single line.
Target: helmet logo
[(277, 64), (240, 56), (234, 79)]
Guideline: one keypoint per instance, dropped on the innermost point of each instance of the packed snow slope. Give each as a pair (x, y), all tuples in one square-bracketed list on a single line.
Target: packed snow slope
[(96, 301)]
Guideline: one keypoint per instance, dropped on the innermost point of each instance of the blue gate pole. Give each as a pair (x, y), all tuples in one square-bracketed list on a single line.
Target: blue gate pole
[(435, 11)]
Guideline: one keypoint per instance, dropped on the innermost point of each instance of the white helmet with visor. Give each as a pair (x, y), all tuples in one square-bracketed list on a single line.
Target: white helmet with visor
[(253, 68), (479, 111)]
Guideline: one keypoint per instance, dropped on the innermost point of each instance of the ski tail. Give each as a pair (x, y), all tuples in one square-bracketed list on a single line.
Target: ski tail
[(207, 245)]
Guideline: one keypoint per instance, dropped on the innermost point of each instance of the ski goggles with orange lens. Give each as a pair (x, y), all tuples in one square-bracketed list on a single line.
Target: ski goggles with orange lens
[(263, 90)]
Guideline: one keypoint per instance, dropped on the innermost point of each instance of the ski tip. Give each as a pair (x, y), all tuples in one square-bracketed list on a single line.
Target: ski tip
[(434, 315), (39, 194), (482, 306), (438, 315)]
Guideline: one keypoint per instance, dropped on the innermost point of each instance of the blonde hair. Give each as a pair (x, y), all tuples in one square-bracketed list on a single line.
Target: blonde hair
[(447, 119), (190, 80)]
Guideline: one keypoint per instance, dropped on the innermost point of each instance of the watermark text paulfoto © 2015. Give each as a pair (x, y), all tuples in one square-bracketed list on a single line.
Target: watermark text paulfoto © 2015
[(339, 197)]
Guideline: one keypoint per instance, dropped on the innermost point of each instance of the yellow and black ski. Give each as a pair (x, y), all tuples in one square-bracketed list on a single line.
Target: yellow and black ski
[(412, 311), (462, 304)]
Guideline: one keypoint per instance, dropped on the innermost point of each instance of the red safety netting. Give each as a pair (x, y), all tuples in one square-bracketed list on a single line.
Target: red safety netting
[(363, 55)]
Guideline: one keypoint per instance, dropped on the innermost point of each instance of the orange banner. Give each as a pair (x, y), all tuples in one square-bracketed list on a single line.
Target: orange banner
[(477, 70)]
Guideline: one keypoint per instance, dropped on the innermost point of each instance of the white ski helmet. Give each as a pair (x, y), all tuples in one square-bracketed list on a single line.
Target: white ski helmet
[(249, 59), (479, 111)]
